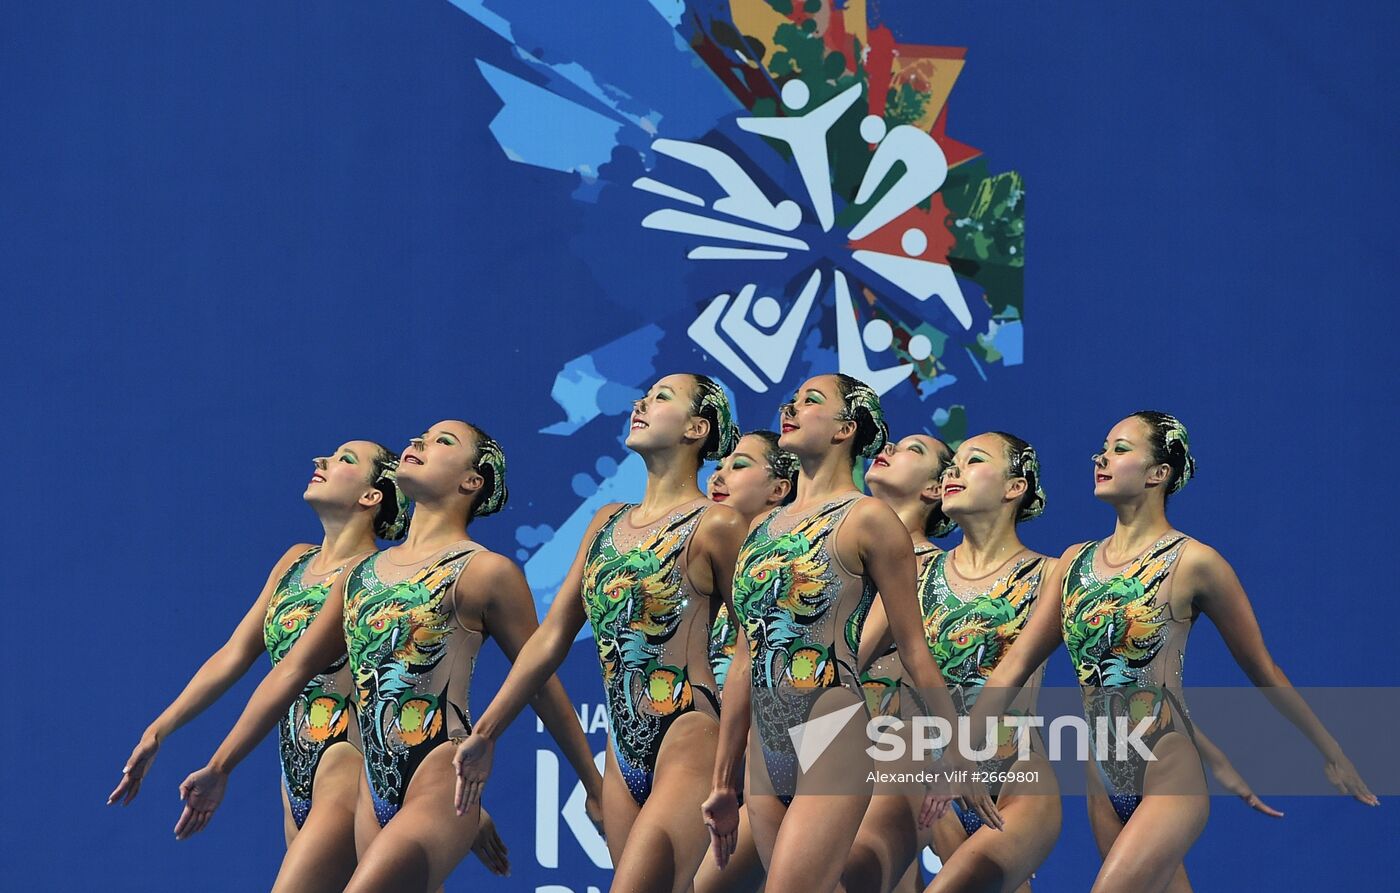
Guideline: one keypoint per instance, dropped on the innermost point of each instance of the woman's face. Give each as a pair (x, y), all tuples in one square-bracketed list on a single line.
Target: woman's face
[(745, 481), (662, 417), (814, 417), (908, 467), (440, 461), (344, 478), (1123, 467), (979, 479)]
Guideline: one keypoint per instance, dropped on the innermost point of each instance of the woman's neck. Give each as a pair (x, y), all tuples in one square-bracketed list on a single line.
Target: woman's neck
[(988, 540), (824, 476), (342, 538), (914, 514), (671, 480), (435, 526), (1140, 523)]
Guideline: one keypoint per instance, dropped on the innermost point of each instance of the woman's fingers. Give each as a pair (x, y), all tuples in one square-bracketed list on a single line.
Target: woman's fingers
[(186, 822), (985, 807), (1260, 806)]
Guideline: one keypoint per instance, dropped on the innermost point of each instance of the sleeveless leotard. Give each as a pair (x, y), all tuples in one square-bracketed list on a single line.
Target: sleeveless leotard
[(321, 715), (412, 662), (1128, 652), (652, 635), (969, 631), (802, 612)]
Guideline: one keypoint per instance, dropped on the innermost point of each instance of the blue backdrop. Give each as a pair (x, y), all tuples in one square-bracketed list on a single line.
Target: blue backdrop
[(236, 235)]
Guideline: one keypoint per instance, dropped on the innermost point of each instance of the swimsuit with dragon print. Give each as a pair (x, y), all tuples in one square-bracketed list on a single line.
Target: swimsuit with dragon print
[(1120, 639), (640, 609), (785, 588), (320, 715), (789, 590), (970, 634), (399, 637)]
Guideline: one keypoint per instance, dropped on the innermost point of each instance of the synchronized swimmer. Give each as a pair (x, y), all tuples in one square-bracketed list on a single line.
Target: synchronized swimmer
[(723, 618)]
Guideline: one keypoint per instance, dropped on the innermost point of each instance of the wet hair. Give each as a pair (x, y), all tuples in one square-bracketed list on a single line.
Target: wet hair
[(1170, 444), (781, 464), (491, 465), (711, 404), (938, 523), (863, 408), (391, 520), (1024, 463)]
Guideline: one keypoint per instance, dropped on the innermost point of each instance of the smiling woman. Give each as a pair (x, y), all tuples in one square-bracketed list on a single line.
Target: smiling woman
[(647, 578), (407, 623), (355, 496), (1125, 608)]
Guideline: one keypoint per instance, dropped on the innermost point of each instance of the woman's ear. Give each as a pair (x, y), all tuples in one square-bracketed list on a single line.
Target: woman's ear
[(781, 488)]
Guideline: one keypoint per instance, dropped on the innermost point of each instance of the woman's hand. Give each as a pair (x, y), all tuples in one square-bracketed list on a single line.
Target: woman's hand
[(721, 815), (1231, 780), (1346, 779), (473, 765), (489, 847), (972, 794), (202, 792), (594, 807), (137, 765)]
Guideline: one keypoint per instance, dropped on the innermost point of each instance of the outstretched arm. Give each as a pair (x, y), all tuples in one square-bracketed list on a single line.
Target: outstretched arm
[(534, 664), (223, 668), (319, 647), (1216, 589), (510, 620)]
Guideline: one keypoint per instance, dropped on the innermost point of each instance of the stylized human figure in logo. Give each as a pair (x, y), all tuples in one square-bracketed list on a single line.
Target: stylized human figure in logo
[(925, 169), (1126, 608), (805, 135), (852, 339), (742, 197), (770, 351), (411, 621)]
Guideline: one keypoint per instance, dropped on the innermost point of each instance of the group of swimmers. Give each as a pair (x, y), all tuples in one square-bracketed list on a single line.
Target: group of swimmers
[(783, 593)]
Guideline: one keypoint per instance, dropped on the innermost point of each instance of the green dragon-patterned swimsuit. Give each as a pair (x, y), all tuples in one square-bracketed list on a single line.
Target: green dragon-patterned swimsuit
[(412, 661), (969, 631), (1128, 652), (321, 715), (652, 634), (802, 612)]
